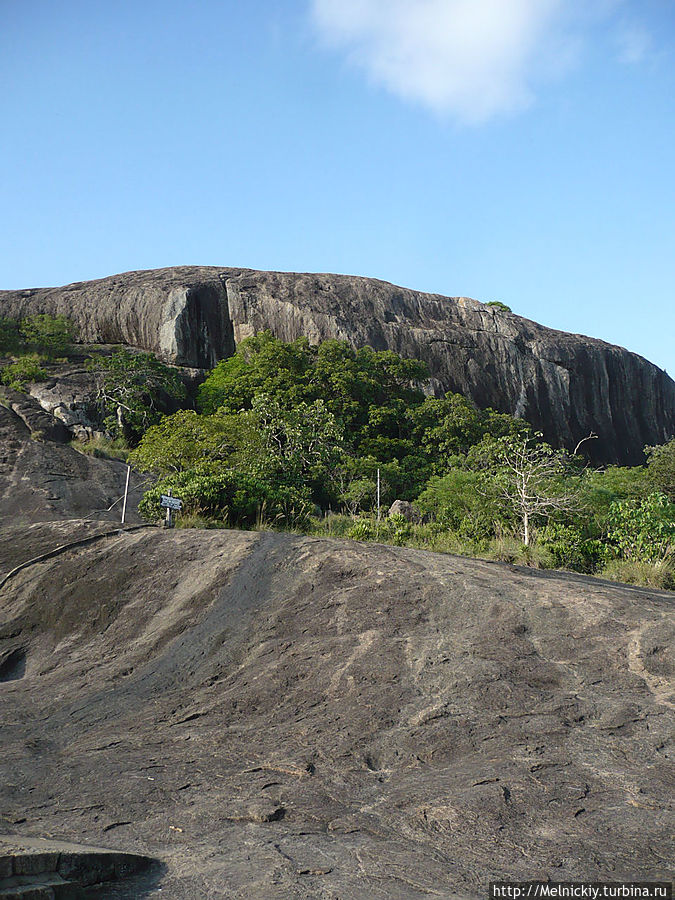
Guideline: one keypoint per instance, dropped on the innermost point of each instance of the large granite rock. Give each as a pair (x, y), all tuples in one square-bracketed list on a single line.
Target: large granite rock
[(566, 385), (276, 716)]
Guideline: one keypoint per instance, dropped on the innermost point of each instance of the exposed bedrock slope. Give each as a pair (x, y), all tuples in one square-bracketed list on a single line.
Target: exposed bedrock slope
[(566, 385), (280, 716), (46, 479)]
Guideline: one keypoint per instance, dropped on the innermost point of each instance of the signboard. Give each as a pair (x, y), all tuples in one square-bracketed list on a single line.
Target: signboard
[(171, 502)]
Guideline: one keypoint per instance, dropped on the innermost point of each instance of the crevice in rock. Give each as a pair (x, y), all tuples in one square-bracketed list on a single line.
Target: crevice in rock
[(13, 666)]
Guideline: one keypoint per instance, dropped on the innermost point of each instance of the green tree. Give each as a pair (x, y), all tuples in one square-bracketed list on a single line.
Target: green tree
[(262, 364), (299, 443), (450, 426), (458, 500), (661, 467), (132, 391), (186, 440), (369, 393)]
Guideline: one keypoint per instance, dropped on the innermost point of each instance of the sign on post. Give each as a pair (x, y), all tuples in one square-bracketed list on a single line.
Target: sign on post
[(170, 504)]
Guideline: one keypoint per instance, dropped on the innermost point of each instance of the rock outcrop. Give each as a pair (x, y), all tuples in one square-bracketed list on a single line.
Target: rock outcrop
[(566, 385), (270, 715), (41, 477)]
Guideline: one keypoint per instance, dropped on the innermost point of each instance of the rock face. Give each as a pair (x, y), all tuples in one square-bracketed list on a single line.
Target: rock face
[(565, 385), (41, 477), (31, 868), (279, 716)]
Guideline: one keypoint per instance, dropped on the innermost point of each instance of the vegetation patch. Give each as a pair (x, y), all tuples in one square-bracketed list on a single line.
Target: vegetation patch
[(290, 435)]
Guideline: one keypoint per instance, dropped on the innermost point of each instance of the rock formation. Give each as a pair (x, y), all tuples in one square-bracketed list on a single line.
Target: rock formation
[(565, 385), (271, 715), (42, 477)]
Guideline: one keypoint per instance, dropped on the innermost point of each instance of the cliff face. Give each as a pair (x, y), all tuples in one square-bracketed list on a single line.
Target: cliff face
[(565, 385)]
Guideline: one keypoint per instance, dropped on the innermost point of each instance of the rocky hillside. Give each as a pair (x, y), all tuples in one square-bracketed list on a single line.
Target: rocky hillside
[(566, 385), (277, 716), (42, 477)]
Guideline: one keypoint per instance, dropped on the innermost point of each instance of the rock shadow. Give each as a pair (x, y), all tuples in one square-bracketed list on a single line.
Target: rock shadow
[(13, 666)]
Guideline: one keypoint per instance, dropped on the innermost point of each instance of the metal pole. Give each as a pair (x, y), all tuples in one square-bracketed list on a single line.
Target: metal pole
[(378, 495), (126, 493)]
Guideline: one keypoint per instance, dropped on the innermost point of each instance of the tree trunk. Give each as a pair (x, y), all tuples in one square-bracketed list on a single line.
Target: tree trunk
[(526, 529)]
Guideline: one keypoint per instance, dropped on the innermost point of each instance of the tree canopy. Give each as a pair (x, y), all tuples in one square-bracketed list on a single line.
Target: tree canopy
[(133, 391), (282, 428)]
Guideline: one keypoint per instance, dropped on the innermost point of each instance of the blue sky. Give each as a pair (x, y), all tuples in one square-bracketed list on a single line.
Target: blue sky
[(513, 150)]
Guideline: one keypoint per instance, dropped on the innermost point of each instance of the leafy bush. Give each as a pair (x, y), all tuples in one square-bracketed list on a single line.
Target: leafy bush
[(229, 496), (23, 370), (661, 468), (570, 548), (397, 529), (52, 335), (359, 495), (362, 530), (600, 488), (642, 530), (10, 338), (453, 497)]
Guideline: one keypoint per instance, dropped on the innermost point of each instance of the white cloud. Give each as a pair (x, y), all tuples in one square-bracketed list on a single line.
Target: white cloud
[(473, 59)]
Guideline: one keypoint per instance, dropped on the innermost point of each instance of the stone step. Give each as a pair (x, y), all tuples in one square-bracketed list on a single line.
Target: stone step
[(46, 886), (35, 869)]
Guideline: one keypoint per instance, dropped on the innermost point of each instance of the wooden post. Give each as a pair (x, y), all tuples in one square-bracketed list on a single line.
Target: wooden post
[(126, 493), (168, 522)]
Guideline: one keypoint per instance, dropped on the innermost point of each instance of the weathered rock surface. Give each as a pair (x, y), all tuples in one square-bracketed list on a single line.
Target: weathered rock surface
[(32, 868), (70, 398), (279, 716), (40, 424), (564, 384), (43, 478)]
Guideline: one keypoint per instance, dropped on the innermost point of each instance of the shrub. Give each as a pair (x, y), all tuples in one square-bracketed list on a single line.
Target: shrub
[(642, 530), (458, 497), (397, 529), (23, 370), (661, 468), (52, 335), (232, 497), (10, 339), (362, 530), (569, 548)]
